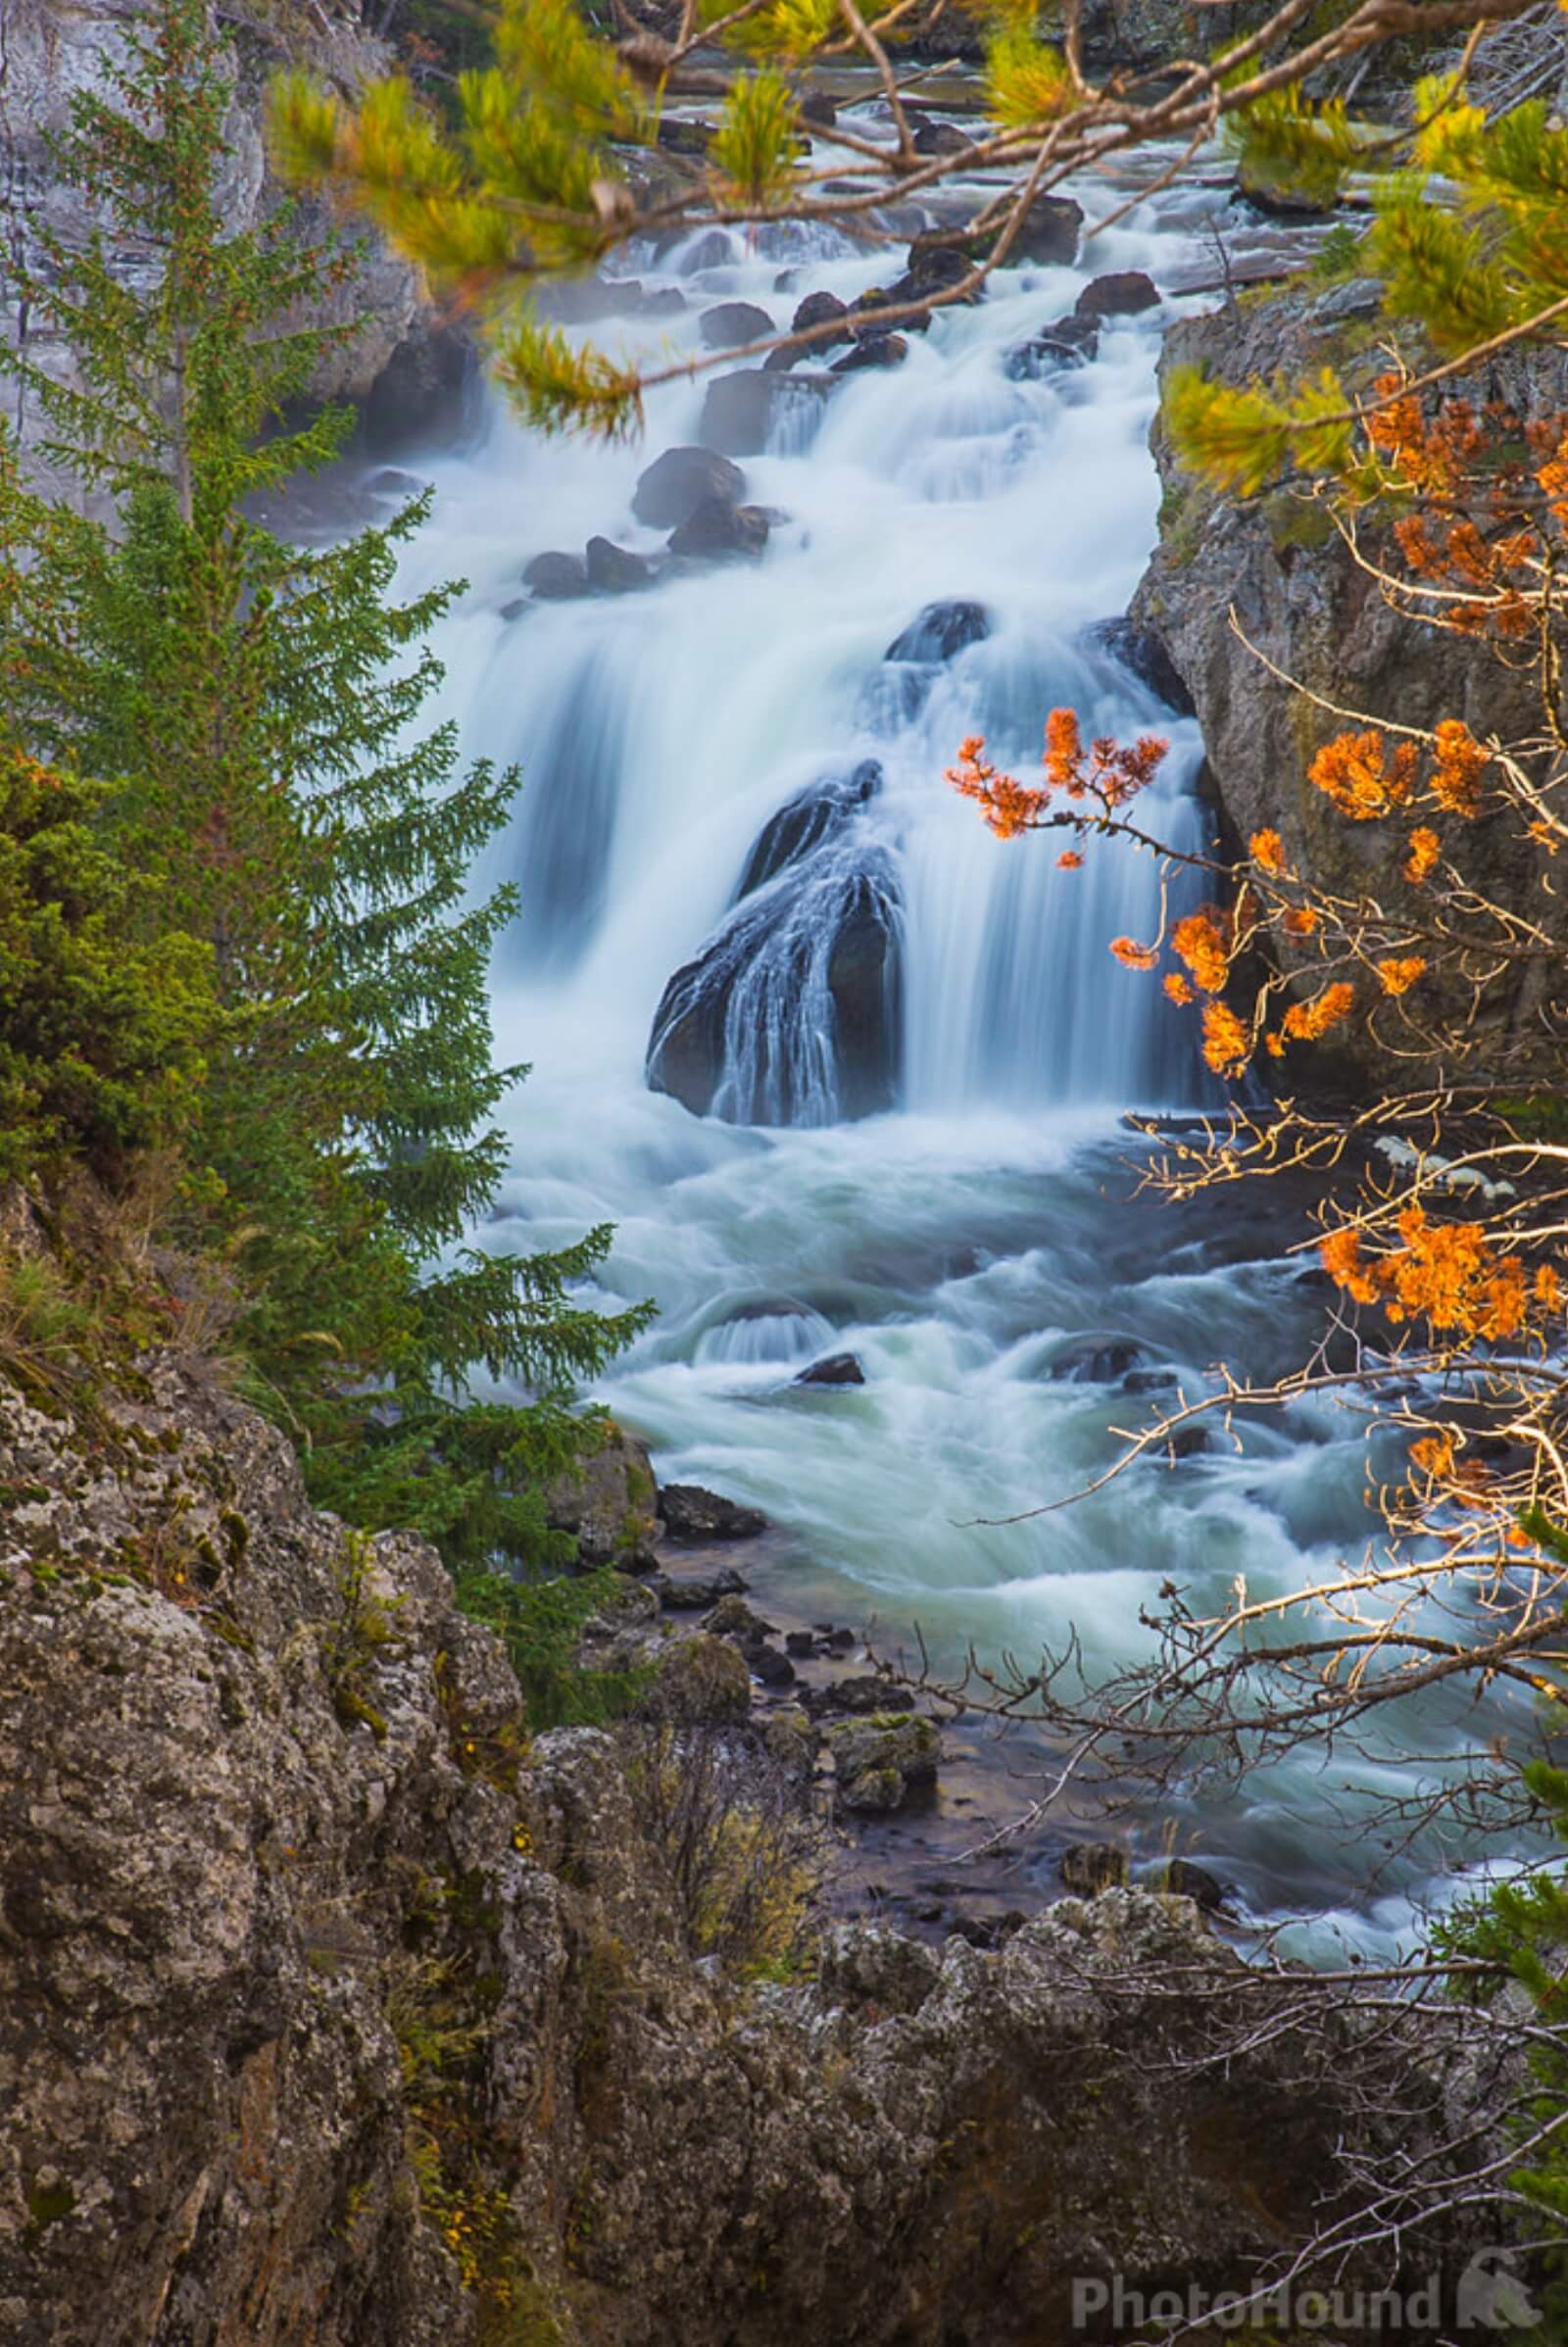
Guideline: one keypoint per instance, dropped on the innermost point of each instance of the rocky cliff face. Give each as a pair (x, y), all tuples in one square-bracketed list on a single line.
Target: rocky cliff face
[(51, 49), (334, 2013), (1302, 602)]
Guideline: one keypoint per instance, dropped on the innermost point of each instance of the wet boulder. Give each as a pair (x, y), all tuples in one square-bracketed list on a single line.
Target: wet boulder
[(677, 482), (1049, 233), (1097, 1359), (1140, 651), (743, 411), (875, 349), (791, 1013), (556, 577), (616, 569), (728, 323), (1121, 293), (714, 249), (1067, 343), (691, 1513), (717, 530), (941, 632), (929, 137), (834, 1369), (811, 817), (821, 309)]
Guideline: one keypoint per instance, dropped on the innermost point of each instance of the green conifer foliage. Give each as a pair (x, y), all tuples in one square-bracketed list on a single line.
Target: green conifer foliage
[(255, 707)]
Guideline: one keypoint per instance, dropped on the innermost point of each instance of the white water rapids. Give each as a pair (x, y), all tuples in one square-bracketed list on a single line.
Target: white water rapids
[(959, 1243)]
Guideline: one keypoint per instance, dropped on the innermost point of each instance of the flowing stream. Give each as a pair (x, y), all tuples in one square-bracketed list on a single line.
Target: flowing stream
[(966, 1240)]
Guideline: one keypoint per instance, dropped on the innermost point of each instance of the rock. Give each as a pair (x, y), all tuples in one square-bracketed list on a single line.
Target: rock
[(1070, 342), (607, 1502), (766, 1663), (1122, 293), (743, 411), (834, 1369), (811, 817), (1048, 236), (1150, 1381), (1362, 297), (702, 1682), (729, 324), (867, 1964), (865, 1693), (516, 609), (878, 1763), (876, 350), (941, 632), (930, 137), (1097, 1360), (1091, 1867), (695, 1592), (736, 1033), (801, 1643), (555, 578), (792, 1742), (1182, 1878), (714, 249), (1142, 652), (680, 480), (429, 392), (665, 301), (616, 569), (821, 309), (1188, 1442), (732, 1617), (816, 106), (691, 1513), (588, 301), (716, 530)]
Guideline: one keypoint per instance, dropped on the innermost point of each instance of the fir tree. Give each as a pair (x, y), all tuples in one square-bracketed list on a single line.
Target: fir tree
[(254, 706)]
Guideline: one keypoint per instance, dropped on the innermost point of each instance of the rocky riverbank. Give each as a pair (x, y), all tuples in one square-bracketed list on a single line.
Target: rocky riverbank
[(333, 2008)]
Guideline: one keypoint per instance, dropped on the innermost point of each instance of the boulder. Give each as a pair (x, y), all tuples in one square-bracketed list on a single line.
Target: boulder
[(1142, 650), (811, 817), (1121, 293), (867, 1964), (728, 323), (821, 309), (616, 569), (1184, 1879), (1067, 343), (665, 301), (1097, 1359), (732, 1617), (677, 482), (1049, 233), (816, 106), (875, 349), (714, 249), (607, 1501), (791, 1012), (695, 1592), (834, 1369), (766, 1663), (928, 136), (861, 1695), (702, 1682), (717, 530), (1091, 1867), (742, 410), (555, 578), (941, 632), (691, 1513), (879, 1762)]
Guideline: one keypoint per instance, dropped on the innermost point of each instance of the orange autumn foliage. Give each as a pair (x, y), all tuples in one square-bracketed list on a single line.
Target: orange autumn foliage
[(1306, 1021), (1399, 973), (1364, 774), (1198, 939), (1134, 957), (1426, 849), (1106, 775), (1227, 1046), (1447, 1274), (1268, 853)]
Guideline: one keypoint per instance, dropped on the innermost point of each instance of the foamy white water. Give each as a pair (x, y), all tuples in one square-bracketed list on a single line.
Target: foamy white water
[(960, 1243)]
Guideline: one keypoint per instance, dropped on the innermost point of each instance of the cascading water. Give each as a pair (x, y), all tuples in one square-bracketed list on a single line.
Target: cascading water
[(967, 1240)]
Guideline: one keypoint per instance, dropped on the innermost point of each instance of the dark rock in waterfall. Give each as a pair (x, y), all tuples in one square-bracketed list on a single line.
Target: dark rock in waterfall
[(668, 301), (1049, 232), (676, 484), (742, 410), (1066, 343), (516, 608), (689, 1512), (1097, 1359), (1143, 653), (390, 480), (728, 323), (941, 632), (834, 1369), (790, 1014), (678, 137), (587, 301), (1121, 293), (934, 269), (616, 569), (430, 389), (822, 310), (931, 137), (801, 825), (817, 107), (717, 528), (555, 578), (714, 249), (878, 350)]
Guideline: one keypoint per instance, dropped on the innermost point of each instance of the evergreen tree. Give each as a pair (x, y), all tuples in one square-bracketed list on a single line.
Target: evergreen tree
[(254, 706)]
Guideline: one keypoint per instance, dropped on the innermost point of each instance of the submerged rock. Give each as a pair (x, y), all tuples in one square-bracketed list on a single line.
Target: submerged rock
[(616, 569), (742, 410), (1067, 343), (873, 350), (834, 1369), (811, 817), (1099, 1359), (681, 479), (941, 632), (717, 530), (556, 577)]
